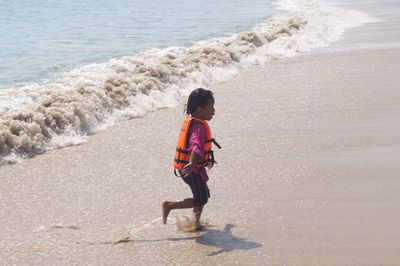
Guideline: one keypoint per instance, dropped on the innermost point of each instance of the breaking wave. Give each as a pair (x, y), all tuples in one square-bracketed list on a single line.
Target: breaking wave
[(39, 117)]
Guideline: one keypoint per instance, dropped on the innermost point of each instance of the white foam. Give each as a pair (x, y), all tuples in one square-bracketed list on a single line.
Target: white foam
[(38, 117)]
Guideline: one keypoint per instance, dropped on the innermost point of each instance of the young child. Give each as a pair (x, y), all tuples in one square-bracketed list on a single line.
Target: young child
[(194, 153)]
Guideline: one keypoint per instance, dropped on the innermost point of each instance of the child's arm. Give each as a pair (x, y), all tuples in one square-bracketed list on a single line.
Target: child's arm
[(187, 169)]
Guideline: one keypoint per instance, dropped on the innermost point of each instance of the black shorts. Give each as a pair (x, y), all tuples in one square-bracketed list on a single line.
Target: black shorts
[(199, 188)]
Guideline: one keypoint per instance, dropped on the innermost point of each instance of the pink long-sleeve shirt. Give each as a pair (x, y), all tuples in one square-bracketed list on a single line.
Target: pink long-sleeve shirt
[(197, 139)]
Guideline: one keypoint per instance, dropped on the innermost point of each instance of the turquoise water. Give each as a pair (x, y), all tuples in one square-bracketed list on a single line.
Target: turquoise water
[(39, 40)]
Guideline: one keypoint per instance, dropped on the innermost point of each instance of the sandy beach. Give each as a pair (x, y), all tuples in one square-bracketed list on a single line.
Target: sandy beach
[(308, 173)]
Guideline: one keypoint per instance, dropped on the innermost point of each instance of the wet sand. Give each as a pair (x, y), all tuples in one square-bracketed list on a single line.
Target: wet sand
[(308, 175)]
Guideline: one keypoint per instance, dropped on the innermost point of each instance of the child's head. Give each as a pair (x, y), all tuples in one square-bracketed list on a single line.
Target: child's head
[(201, 104)]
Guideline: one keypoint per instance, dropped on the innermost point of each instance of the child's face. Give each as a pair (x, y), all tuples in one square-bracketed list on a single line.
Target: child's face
[(206, 112)]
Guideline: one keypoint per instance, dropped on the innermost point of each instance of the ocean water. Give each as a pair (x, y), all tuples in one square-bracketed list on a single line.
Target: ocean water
[(89, 64), (40, 40)]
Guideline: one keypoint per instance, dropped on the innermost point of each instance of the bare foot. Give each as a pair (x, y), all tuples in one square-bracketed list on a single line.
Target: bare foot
[(165, 211), (199, 228)]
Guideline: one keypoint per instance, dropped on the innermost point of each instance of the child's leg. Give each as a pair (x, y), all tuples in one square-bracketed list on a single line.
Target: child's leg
[(197, 213), (167, 206), (200, 197)]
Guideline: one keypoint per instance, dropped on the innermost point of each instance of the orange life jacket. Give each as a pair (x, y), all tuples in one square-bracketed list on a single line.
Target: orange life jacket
[(182, 154)]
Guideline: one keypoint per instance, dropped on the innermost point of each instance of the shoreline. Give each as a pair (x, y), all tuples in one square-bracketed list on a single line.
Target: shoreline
[(309, 166), (85, 100)]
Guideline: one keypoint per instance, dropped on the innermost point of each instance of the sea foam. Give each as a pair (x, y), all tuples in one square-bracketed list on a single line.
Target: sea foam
[(39, 117)]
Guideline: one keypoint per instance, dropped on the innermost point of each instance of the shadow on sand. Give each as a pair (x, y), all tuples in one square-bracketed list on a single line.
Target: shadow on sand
[(224, 240)]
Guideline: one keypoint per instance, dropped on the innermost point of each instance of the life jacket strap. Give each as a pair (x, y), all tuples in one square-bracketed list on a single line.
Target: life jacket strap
[(210, 161), (176, 173), (181, 161), (215, 142), (212, 157), (182, 151)]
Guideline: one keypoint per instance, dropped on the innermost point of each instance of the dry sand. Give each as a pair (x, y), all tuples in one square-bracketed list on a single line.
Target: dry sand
[(308, 175)]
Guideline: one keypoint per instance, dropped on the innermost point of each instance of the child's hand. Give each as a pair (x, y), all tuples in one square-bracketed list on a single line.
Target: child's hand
[(187, 169)]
